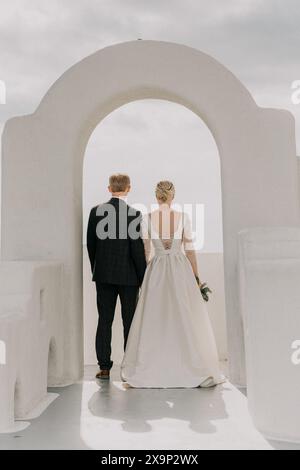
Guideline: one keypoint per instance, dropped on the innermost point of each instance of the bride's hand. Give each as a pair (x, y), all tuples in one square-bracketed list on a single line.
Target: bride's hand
[(204, 289)]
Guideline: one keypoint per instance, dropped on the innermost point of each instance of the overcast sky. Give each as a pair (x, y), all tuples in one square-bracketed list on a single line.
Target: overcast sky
[(258, 40)]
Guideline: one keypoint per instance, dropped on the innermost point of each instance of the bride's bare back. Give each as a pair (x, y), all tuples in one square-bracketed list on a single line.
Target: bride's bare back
[(167, 224)]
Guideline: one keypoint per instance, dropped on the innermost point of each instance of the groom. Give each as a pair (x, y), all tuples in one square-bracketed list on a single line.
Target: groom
[(118, 264)]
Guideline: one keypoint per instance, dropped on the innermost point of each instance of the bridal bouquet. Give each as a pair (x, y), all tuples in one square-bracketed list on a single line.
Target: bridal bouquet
[(204, 289)]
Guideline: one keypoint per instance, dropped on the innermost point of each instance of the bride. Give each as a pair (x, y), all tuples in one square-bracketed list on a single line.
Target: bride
[(171, 343)]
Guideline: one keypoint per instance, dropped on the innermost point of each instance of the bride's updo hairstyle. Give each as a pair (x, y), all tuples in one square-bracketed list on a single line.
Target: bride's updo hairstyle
[(165, 191)]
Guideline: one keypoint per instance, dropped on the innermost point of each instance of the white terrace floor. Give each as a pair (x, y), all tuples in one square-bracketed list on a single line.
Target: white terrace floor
[(86, 416)]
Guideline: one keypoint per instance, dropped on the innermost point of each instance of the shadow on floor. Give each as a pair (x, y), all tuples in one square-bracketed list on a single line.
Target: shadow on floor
[(136, 408), (278, 445), (83, 417)]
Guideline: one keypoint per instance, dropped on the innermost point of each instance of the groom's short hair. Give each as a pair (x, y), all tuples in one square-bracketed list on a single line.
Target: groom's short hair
[(119, 183)]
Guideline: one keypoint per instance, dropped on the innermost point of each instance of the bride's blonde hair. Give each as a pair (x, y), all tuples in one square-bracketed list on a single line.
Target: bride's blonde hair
[(165, 191)]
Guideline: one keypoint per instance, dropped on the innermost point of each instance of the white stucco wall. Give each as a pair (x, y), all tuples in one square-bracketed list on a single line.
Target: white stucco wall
[(31, 320), (269, 266), (43, 155)]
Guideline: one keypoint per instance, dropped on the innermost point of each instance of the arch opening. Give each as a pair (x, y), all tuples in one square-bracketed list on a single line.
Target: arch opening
[(161, 139)]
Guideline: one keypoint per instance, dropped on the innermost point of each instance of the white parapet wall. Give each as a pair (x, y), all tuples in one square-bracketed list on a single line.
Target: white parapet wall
[(269, 274), (31, 337)]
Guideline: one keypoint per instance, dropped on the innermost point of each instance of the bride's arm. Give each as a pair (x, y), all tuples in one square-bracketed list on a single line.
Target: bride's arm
[(146, 238), (188, 243)]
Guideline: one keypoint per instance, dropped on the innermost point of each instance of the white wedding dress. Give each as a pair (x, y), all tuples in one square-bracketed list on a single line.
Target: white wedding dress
[(171, 343)]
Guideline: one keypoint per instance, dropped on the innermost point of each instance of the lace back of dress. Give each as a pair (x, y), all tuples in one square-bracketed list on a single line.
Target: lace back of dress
[(167, 244)]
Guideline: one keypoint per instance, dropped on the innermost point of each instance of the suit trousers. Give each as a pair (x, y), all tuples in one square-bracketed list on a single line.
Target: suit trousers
[(107, 295)]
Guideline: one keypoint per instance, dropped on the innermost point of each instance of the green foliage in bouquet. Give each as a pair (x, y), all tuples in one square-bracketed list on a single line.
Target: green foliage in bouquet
[(205, 290)]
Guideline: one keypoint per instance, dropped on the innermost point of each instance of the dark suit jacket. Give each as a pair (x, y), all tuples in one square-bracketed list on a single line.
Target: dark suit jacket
[(118, 256)]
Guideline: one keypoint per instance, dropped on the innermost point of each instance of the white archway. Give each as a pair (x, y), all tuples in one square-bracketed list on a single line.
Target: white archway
[(160, 139), (43, 154)]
